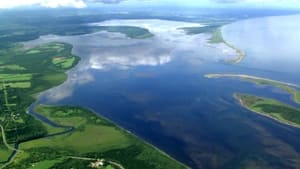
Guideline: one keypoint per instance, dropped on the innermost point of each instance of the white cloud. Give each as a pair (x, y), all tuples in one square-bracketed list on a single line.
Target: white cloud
[(54, 3), (259, 2), (83, 3), (45, 3)]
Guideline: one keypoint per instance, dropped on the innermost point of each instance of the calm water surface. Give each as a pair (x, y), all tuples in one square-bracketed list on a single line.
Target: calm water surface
[(271, 43), (156, 89)]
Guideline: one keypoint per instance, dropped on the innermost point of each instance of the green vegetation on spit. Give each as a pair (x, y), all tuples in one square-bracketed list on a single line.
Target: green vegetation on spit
[(284, 86), (203, 29), (83, 140), (288, 87), (129, 31), (216, 37), (271, 108), (64, 62)]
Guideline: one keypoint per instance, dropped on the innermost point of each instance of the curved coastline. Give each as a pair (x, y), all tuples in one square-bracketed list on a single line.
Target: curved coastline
[(240, 54), (254, 36), (243, 104), (290, 88), (217, 37), (30, 110), (68, 129)]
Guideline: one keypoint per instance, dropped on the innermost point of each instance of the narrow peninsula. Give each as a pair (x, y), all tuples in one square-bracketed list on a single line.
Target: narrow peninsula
[(270, 108), (217, 38), (287, 87)]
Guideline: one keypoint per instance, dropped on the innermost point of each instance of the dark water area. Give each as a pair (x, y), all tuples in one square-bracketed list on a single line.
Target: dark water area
[(162, 96)]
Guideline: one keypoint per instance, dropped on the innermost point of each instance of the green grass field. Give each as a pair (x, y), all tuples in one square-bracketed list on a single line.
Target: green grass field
[(108, 167), (272, 108), (95, 137), (213, 30), (216, 36), (89, 136), (15, 77), (11, 67), (33, 52), (129, 31), (64, 62), (30, 74), (52, 130), (22, 85), (4, 151)]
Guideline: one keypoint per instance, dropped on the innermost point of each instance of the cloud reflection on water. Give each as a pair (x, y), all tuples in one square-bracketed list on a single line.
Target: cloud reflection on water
[(106, 51)]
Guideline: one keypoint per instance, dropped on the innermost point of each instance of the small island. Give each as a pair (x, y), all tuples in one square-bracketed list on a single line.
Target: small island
[(288, 87), (270, 108)]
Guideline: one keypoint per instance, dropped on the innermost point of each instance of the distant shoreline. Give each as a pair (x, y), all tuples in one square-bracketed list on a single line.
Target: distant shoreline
[(287, 87), (249, 77)]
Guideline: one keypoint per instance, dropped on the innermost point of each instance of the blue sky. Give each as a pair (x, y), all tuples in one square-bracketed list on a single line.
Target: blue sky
[(192, 3)]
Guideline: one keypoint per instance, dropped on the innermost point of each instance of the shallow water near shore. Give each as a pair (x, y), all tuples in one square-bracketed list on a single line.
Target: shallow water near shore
[(156, 89)]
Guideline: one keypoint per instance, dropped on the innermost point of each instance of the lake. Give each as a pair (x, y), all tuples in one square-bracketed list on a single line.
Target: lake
[(156, 89)]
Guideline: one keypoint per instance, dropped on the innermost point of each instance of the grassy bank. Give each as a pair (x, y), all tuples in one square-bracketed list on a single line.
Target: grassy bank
[(19, 86), (94, 137), (25, 73)]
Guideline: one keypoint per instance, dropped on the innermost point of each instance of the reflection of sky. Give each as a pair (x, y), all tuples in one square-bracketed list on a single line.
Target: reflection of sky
[(105, 51), (155, 87), (270, 43)]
